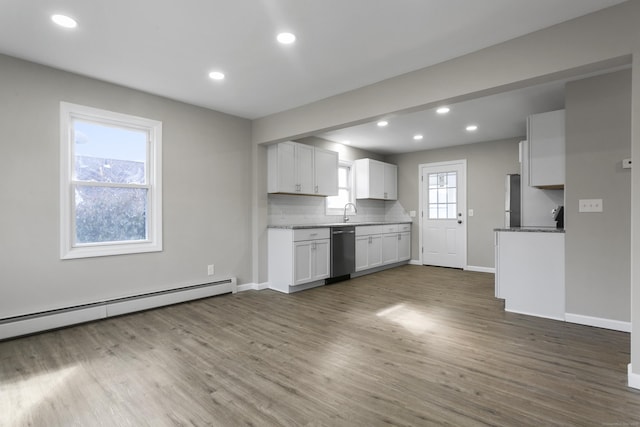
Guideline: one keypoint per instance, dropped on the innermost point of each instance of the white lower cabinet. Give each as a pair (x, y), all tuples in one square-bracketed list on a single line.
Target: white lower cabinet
[(311, 261), (404, 245), (530, 272), (380, 245), (298, 259)]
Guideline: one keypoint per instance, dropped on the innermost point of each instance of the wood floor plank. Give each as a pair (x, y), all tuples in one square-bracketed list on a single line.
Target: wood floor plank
[(411, 346)]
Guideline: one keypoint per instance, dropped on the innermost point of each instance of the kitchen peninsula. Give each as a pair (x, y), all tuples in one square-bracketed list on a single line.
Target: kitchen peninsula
[(530, 270)]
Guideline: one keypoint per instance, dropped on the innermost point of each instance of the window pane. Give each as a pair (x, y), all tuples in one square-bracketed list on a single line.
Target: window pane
[(442, 195), (108, 214), (433, 211), (451, 179), (451, 195), (442, 211), (433, 180), (433, 196), (343, 177), (109, 154)]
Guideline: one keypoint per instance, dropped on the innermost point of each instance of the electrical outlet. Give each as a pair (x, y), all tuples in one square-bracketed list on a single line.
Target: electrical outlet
[(210, 270), (590, 205)]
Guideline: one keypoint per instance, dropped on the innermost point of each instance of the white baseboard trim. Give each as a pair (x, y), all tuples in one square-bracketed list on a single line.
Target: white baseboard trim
[(598, 322), (253, 286), (526, 313), (415, 262), (633, 379), (480, 269)]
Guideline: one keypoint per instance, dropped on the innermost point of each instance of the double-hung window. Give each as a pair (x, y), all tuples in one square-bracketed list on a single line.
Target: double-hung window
[(110, 183), (335, 204)]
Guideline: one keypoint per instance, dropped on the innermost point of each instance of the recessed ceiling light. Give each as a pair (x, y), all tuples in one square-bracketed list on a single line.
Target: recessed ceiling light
[(64, 21), (286, 38), (346, 142), (472, 128), (443, 110), (417, 137), (216, 75), (382, 123)]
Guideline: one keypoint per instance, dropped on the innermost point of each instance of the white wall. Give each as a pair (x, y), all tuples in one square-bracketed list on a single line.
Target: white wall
[(206, 194)]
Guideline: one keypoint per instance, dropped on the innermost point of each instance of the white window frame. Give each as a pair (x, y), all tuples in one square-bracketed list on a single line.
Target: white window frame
[(69, 249), (352, 192)]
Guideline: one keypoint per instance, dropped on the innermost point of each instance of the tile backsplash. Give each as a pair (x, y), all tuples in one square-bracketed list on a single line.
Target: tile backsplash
[(287, 209)]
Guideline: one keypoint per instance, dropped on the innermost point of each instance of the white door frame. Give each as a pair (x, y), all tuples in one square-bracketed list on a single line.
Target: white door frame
[(422, 166)]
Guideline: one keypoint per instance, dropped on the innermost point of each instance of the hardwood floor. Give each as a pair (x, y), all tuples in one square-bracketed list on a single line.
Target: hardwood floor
[(412, 346)]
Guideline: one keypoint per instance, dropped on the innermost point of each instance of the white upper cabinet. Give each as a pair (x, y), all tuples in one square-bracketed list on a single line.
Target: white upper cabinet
[(326, 172), (302, 169), (546, 136), (376, 180)]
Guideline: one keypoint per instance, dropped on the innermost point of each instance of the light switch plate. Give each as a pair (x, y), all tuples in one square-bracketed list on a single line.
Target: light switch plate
[(590, 205), (412, 214), (470, 212)]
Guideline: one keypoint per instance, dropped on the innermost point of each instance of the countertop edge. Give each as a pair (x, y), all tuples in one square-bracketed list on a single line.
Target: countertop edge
[(340, 224)]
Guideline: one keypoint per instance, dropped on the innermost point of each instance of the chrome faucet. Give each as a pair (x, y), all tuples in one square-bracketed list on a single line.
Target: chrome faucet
[(345, 218)]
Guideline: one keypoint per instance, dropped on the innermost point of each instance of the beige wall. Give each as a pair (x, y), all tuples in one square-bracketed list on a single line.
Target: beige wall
[(206, 194), (598, 245), (487, 165)]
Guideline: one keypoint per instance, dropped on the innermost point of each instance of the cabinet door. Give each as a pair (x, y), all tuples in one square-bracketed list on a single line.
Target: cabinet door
[(326, 172), (390, 182), (302, 262), (304, 169), (376, 180), (282, 168), (320, 251), (389, 248), (546, 134), (404, 246), (362, 253), (375, 250)]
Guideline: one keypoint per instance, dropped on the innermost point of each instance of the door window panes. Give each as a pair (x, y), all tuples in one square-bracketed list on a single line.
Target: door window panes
[(443, 201)]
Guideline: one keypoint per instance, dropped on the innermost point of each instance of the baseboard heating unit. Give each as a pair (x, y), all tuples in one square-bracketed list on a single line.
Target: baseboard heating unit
[(53, 319)]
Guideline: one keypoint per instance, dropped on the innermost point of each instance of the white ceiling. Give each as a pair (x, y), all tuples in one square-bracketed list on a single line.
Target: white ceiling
[(498, 117), (168, 47)]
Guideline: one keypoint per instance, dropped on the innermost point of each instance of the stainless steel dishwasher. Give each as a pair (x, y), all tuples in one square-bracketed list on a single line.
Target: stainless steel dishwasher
[(343, 252)]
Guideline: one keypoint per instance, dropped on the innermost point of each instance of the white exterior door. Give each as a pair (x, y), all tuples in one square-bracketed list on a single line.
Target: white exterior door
[(443, 222)]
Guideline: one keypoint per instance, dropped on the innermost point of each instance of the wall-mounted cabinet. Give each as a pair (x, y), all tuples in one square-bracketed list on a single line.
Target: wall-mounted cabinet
[(546, 136), (301, 169), (376, 180)]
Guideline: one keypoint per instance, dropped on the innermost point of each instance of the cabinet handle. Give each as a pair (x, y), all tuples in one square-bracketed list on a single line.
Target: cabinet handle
[(399, 236), (316, 188), (385, 195)]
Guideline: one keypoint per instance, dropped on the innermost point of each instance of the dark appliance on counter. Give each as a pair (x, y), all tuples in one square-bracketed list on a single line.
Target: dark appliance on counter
[(512, 201), (343, 253), (558, 216)]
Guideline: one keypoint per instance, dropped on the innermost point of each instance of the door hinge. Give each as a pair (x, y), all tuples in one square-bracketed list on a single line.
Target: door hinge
[(422, 249)]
